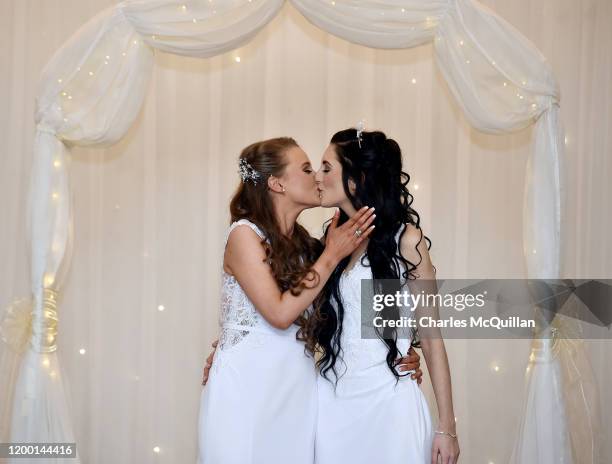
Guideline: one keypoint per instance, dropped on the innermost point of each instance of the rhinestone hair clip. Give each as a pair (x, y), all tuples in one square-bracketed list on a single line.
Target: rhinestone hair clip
[(360, 128), (247, 171)]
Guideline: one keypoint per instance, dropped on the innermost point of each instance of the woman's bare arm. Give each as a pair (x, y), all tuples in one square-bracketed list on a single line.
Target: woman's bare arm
[(432, 342), (245, 257)]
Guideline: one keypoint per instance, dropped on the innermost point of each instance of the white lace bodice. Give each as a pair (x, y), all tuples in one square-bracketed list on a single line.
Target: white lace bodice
[(238, 316), (360, 353)]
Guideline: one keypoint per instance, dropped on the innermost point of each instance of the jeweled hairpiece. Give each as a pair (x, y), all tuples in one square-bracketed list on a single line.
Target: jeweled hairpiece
[(360, 128), (247, 171)]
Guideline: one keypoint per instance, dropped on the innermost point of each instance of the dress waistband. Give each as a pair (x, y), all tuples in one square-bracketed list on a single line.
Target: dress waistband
[(267, 329)]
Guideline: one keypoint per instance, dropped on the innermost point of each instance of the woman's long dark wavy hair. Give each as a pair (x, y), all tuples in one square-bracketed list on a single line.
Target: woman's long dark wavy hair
[(376, 169), (291, 258)]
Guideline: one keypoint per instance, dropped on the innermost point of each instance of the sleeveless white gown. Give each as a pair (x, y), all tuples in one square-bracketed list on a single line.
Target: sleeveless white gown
[(369, 419), (259, 403)]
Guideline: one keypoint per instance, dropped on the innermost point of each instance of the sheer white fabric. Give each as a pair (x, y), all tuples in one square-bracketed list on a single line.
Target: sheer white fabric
[(92, 89)]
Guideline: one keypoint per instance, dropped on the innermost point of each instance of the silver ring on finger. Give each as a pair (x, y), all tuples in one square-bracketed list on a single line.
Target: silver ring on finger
[(358, 232)]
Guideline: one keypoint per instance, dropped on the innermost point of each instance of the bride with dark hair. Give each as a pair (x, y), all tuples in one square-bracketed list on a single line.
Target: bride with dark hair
[(369, 412)]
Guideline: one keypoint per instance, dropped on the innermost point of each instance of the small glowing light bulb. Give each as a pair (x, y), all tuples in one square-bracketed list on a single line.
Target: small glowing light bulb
[(82, 351), (48, 280), (237, 59), (161, 307), (414, 80), (156, 449)]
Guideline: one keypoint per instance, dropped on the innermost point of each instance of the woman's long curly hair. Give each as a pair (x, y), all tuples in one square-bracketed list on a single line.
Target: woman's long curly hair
[(376, 170), (291, 258)]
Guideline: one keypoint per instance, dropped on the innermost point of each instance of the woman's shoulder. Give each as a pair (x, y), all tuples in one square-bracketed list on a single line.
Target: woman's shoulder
[(408, 237), (243, 222), (248, 223)]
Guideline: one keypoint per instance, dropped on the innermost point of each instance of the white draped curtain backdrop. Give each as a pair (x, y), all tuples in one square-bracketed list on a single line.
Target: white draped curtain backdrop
[(117, 205)]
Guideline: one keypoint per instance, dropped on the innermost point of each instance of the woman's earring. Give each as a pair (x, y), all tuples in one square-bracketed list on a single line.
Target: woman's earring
[(283, 189)]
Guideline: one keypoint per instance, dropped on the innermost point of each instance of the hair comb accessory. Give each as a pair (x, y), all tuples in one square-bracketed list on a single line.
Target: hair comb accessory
[(247, 171), (360, 128)]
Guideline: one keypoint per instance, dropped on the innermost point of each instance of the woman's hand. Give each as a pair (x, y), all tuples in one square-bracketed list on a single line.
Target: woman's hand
[(209, 361), (343, 240), (411, 362), (446, 447)]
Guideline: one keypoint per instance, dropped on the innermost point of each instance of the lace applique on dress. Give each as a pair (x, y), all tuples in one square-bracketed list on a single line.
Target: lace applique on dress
[(236, 308)]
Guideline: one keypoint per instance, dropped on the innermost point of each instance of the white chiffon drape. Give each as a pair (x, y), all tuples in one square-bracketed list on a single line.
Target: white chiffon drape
[(93, 88)]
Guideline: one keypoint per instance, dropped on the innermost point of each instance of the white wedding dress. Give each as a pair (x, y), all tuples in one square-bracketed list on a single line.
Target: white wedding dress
[(259, 403), (369, 419)]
